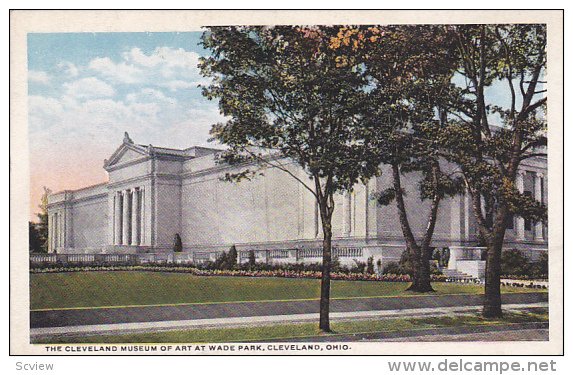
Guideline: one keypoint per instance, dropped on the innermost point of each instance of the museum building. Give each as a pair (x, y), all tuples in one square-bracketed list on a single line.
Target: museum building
[(154, 194)]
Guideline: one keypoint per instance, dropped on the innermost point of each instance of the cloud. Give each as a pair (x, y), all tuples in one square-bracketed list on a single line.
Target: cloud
[(179, 84), (70, 69), (164, 57), (174, 68), (147, 95), (119, 72), (44, 112), (38, 76), (89, 87)]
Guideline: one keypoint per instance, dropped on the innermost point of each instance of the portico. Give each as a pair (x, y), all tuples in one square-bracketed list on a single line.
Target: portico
[(128, 216)]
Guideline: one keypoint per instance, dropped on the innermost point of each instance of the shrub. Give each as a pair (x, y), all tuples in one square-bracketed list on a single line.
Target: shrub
[(445, 257), (177, 244), (392, 268), (252, 259), (540, 268), (514, 262), (232, 257), (370, 266), (358, 267), (406, 264), (437, 256)]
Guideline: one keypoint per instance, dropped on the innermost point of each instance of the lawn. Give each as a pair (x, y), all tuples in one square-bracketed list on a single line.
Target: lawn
[(118, 288), (306, 330)]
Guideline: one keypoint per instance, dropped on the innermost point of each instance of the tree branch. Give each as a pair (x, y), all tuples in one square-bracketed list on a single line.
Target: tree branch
[(280, 167)]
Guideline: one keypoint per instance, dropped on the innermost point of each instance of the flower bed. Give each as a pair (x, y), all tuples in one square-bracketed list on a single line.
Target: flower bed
[(243, 273), (525, 283)]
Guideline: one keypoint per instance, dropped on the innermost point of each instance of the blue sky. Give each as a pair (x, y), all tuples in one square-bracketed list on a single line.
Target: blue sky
[(86, 89), (123, 70)]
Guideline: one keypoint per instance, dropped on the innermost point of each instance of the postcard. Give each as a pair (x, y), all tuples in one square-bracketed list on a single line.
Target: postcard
[(286, 182)]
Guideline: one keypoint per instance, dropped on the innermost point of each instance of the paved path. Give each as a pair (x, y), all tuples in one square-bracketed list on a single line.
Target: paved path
[(535, 331), (520, 333), (143, 327), (187, 312)]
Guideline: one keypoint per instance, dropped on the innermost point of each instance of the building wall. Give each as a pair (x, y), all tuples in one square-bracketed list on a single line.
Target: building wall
[(186, 195), (215, 212), (450, 214), (90, 223)]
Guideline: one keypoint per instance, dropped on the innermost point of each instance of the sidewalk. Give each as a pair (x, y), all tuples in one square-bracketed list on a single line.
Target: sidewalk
[(232, 322)]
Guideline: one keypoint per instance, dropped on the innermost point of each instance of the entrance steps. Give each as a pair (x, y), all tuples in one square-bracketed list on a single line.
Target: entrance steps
[(455, 275)]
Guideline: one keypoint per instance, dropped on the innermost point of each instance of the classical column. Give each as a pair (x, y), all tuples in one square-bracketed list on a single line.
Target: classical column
[(520, 222), (54, 231), (142, 215), (118, 220), (135, 217), (347, 214), (50, 235), (467, 218), (125, 226), (366, 210), (539, 197), (60, 231), (316, 219)]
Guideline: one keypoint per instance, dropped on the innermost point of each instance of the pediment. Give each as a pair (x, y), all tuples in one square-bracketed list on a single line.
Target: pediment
[(125, 154)]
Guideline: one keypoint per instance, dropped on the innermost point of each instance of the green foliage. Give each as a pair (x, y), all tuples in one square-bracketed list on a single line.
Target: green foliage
[(287, 95), (489, 155), (370, 266), (359, 267), (406, 266), (386, 196), (35, 241), (540, 268), (232, 256), (177, 244), (252, 259), (225, 261), (40, 231), (393, 268), (514, 262)]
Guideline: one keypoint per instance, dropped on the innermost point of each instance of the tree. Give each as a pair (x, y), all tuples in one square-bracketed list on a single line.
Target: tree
[(35, 243), (177, 244), (40, 236), (489, 155), (409, 69), (252, 259), (232, 257), (289, 99)]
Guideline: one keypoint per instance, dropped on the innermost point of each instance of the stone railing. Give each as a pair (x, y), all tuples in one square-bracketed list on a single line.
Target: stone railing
[(37, 259), (281, 255)]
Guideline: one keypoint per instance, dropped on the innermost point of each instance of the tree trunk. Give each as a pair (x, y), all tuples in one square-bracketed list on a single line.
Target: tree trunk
[(421, 272), (424, 284), (324, 324), (492, 299)]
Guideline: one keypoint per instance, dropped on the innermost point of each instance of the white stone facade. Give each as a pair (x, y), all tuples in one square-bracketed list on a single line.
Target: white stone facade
[(154, 193)]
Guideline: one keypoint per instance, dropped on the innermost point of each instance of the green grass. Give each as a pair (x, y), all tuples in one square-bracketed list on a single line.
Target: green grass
[(306, 330), (119, 288)]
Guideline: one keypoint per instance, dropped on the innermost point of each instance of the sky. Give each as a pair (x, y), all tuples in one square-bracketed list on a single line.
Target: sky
[(86, 89)]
